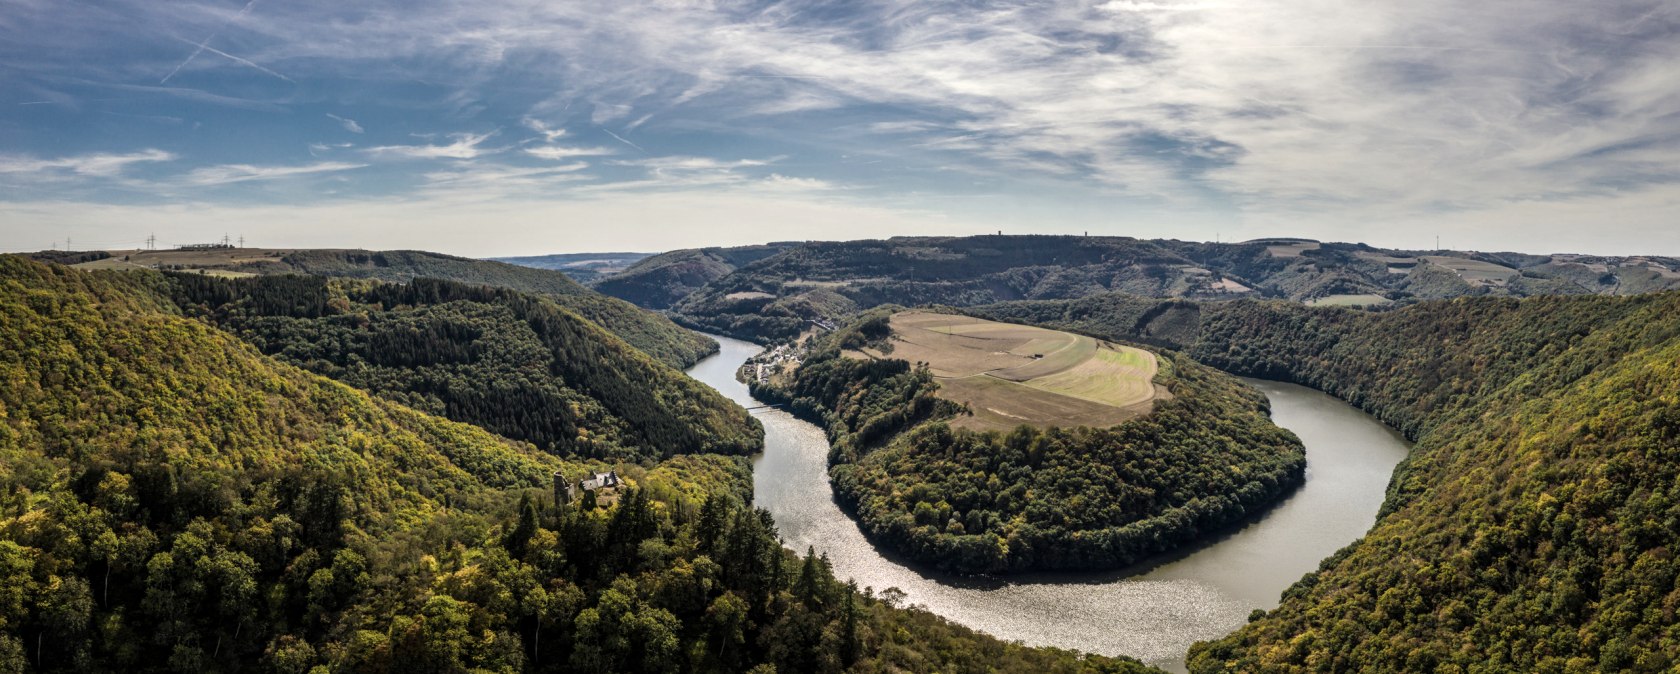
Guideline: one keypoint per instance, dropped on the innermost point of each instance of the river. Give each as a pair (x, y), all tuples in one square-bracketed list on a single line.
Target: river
[(1152, 612)]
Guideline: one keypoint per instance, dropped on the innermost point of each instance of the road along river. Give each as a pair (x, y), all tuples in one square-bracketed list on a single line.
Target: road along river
[(1152, 612)]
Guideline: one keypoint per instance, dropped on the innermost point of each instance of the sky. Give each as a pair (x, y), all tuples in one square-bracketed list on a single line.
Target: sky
[(517, 127)]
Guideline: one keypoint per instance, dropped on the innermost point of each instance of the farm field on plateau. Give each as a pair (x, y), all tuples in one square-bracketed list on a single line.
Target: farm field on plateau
[(1010, 375)]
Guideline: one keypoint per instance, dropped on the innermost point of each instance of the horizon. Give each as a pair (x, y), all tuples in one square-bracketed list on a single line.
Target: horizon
[(508, 128), (234, 241)]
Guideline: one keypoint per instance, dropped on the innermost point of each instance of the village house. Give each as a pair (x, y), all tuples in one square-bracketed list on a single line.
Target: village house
[(566, 491), (600, 481)]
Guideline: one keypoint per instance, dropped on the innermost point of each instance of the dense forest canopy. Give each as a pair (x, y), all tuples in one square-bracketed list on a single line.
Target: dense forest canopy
[(1532, 528), (172, 500), (1057, 498), (519, 365)]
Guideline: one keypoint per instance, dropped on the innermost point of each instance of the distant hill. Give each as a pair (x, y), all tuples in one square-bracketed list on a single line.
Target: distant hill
[(582, 267), (650, 332), (661, 281), (770, 292), (517, 364)]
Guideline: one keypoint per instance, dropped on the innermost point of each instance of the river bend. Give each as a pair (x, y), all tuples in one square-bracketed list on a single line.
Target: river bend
[(1152, 612)]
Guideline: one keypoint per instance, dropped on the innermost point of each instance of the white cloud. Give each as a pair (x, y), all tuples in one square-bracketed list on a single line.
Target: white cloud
[(1139, 6), (804, 100), (557, 152), (348, 124), (316, 149), (486, 183), (537, 125), (238, 173), (902, 127), (686, 163), (681, 172), (100, 164), (466, 146), (777, 181)]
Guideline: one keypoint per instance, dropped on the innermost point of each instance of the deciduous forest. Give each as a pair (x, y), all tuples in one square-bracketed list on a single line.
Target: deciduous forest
[(173, 500), (645, 330), (519, 365)]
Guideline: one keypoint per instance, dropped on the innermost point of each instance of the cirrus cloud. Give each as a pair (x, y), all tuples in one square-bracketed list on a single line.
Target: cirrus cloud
[(1345, 119)]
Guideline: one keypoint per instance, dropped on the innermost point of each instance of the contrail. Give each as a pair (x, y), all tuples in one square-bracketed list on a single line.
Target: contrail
[(206, 42), (236, 59), (622, 140)]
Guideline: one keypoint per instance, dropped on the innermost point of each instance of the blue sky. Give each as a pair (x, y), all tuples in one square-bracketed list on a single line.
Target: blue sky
[(490, 127)]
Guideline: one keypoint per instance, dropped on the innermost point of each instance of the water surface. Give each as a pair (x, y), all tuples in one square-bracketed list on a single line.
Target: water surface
[(1153, 612)]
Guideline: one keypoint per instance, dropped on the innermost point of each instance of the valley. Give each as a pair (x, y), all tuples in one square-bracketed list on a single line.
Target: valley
[(793, 337), (1080, 473)]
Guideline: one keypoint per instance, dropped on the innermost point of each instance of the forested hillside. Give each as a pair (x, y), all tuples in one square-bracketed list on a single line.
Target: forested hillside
[(171, 500), (1534, 526), (645, 330), (1408, 367), (650, 332), (660, 281), (516, 364), (1057, 498), (1531, 529), (775, 297)]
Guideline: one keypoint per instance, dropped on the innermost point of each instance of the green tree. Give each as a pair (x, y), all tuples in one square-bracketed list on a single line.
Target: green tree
[(807, 589), (519, 537), (726, 624), (66, 608), (849, 643)]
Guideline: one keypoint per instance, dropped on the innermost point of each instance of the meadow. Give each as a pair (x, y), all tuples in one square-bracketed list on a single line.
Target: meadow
[(1010, 375)]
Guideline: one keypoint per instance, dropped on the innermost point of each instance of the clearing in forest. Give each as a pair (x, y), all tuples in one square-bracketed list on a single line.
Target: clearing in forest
[(1358, 300), (1476, 272), (1015, 374)]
